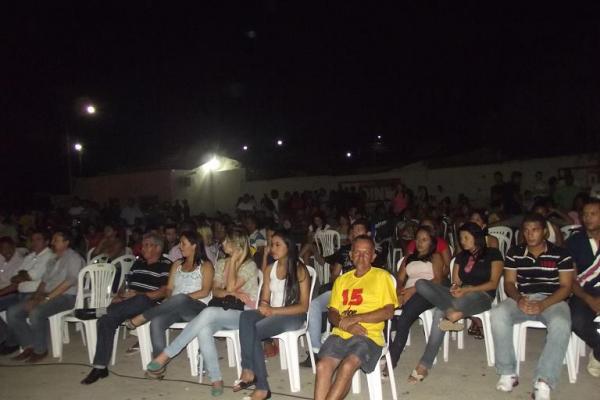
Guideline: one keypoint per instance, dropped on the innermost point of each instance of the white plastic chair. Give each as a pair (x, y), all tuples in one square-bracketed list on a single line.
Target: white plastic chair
[(98, 279), (327, 242), (501, 231), (288, 344), (374, 377), (88, 257), (503, 244), (568, 230), (520, 339), (126, 262)]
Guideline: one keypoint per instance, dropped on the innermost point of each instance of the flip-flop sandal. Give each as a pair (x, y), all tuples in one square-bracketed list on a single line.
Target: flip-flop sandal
[(476, 332), (239, 384), (416, 377), (446, 325), (155, 371)]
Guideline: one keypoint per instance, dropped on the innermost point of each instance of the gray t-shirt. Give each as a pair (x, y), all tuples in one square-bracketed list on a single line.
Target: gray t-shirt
[(64, 268)]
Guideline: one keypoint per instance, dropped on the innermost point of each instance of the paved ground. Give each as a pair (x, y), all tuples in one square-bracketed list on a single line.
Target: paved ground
[(466, 376)]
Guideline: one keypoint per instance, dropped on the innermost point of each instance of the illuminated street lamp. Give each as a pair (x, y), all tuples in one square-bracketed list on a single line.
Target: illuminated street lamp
[(245, 148), (214, 164), (279, 142), (78, 147), (90, 109)]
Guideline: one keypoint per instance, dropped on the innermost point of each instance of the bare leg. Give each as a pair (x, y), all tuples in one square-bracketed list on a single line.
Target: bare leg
[(343, 378), (453, 315), (325, 369)]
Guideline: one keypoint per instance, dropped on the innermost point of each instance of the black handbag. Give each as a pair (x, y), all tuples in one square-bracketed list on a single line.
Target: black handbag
[(226, 303)]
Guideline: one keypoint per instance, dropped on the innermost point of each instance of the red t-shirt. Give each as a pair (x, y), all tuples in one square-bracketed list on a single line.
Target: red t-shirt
[(442, 245)]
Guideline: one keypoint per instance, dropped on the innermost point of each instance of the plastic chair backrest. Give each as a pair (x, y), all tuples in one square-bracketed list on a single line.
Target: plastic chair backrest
[(260, 285), (568, 230), (89, 255), (313, 279), (125, 262), (328, 242), (503, 243), (100, 258), (502, 231), (96, 280), (399, 264), (452, 269)]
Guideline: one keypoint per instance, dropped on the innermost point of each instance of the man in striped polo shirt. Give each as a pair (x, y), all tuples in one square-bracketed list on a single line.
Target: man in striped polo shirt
[(537, 279), (584, 246), (145, 285)]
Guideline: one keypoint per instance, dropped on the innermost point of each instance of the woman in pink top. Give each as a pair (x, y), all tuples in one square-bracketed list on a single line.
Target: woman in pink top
[(442, 247), (424, 263)]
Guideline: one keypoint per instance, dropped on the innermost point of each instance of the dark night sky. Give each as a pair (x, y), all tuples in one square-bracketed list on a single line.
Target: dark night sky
[(173, 84)]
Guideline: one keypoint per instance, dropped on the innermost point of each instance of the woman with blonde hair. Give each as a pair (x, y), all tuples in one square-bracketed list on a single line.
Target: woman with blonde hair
[(235, 288)]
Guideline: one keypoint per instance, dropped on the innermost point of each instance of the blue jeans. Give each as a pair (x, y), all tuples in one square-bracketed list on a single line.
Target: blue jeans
[(6, 335), (315, 319), (254, 328), (414, 307), (203, 327), (117, 313), (557, 319), (35, 333), (179, 308), (438, 295)]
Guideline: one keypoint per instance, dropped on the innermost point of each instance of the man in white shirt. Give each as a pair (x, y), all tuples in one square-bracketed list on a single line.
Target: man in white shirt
[(10, 262), (24, 282), (28, 320), (131, 212)]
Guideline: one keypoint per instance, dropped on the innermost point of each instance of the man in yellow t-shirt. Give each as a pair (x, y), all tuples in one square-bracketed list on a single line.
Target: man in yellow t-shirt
[(361, 301)]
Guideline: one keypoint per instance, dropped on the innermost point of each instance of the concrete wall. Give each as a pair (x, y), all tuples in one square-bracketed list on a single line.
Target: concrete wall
[(123, 186), (473, 181), (208, 191)]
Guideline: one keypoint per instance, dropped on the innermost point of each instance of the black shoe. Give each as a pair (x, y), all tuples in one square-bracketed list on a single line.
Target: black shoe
[(306, 363), (94, 375), (7, 350)]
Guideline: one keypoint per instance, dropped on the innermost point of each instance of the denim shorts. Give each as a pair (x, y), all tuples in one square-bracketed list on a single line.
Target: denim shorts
[(364, 348)]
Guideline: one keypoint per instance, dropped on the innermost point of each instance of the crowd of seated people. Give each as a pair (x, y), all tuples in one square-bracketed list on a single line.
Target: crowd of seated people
[(203, 271)]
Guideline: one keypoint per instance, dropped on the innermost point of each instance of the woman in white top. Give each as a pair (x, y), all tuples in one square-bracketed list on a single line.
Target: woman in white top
[(424, 263), (235, 287), (283, 306), (188, 290)]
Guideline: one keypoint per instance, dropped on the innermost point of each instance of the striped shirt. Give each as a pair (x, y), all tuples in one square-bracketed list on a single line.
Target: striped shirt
[(144, 277), (541, 274), (586, 255)]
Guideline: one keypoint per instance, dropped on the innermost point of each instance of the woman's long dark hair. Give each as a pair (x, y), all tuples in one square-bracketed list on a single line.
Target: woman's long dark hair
[(479, 237), (415, 256), (195, 239), (292, 285)]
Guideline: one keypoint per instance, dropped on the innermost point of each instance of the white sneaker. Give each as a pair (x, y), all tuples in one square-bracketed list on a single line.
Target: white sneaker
[(506, 383), (541, 391), (593, 366)]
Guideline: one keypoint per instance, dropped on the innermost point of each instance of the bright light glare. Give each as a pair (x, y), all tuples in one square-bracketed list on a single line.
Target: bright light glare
[(245, 148), (379, 137), (78, 147), (280, 142), (348, 154), (214, 164), (90, 109)]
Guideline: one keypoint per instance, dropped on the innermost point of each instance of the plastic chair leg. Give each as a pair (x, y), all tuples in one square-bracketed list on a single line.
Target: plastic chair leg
[(145, 342)]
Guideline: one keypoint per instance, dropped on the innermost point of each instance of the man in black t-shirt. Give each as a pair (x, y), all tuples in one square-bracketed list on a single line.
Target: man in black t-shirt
[(145, 285), (584, 247), (537, 279)]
